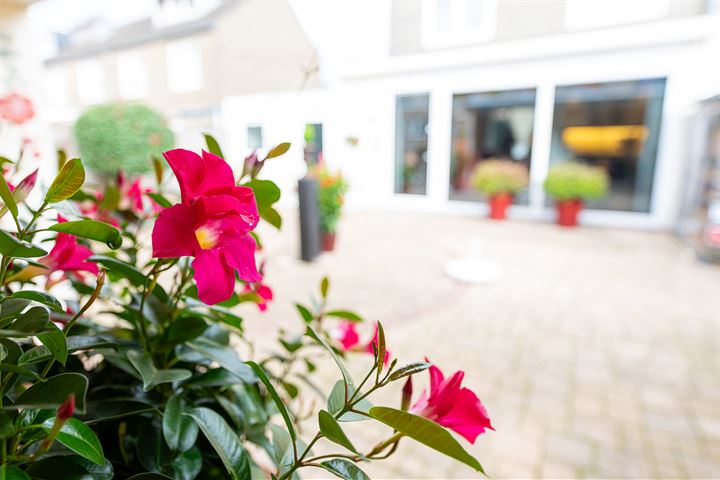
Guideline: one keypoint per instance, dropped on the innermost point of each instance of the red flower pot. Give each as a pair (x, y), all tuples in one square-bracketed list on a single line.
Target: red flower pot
[(568, 211), (499, 204), (328, 241)]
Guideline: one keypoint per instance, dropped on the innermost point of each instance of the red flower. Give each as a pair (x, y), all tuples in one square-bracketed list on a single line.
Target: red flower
[(212, 224), (349, 339), (16, 108), (68, 256), (451, 406), (263, 291), (67, 409)]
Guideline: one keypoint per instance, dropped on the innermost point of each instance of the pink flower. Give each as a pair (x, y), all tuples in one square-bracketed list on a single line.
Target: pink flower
[(262, 291), (136, 194), (212, 224), (451, 406), (349, 339), (16, 108), (25, 186), (66, 409), (68, 256)]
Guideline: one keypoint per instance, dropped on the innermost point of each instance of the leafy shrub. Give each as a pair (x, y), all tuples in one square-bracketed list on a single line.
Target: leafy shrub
[(116, 137), (574, 181), (134, 375), (500, 176), (332, 188)]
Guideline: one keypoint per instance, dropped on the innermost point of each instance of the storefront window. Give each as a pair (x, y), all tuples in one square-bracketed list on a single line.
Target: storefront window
[(411, 142), (616, 126), (491, 125)]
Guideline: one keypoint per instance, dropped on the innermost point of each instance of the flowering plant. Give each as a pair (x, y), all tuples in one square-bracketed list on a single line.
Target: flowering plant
[(144, 371), (332, 188), (492, 177), (575, 181)]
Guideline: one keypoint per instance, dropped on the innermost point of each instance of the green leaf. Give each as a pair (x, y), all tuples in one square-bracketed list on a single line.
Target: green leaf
[(92, 230), (32, 321), (7, 198), (6, 367), (345, 373), (225, 442), (39, 297), (180, 431), (185, 328), (149, 476), (79, 438), (380, 348), (344, 469), (11, 307), (272, 216), (336, 401), (73, 467), (187, 465), (276, 398), (68, 181), (344, 314), (160, 199), (266, 192), (12, 247), (55, 342), (409, 369), (159, 169), (225, 355), (54, 391), (151, 376), (426, 432), (74, 344), (332, 431), (124, 269), (12, 473), (304, 313), (324, 285), (212, 145), (278, 150)]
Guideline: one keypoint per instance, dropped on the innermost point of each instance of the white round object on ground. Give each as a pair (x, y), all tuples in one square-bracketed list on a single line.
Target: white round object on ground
[(473, 270)]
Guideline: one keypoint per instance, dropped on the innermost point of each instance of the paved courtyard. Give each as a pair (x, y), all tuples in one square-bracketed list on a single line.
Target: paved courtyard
[(596, 353)]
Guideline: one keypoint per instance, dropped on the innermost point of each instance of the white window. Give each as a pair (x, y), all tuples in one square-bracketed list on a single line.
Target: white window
[(582, 14), (90, 78), (184, 66), (457, 22), (132, 75)]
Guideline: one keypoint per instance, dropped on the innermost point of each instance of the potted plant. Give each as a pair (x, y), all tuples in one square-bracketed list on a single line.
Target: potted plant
[(499, 180), (331, 190), (570, 184)]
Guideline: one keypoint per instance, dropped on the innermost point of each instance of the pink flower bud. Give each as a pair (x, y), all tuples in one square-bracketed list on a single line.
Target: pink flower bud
[(67, 409), (407, 391)]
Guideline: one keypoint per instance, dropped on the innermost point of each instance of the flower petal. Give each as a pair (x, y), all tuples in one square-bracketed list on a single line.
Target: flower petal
[(198, 175), (215, 279), (467, 417), (239, 253), (173, 234)]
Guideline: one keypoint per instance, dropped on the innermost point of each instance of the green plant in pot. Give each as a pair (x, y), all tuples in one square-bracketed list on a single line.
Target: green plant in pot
[(331, 196), (500, 180), (570, 184)]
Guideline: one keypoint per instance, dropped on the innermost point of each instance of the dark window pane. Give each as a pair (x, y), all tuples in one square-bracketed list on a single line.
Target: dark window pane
[(616, 126), (491, 125), (411, 142)]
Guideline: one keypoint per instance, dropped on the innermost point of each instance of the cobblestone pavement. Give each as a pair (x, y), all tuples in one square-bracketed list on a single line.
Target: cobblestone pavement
[(596, 352)]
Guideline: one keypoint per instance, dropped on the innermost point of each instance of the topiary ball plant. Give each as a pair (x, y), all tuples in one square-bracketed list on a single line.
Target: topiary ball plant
[(575, 181), (124, 137), (492, 177)]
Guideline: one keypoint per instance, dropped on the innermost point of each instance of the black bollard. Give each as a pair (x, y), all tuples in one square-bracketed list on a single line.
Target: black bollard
[(309, 219)]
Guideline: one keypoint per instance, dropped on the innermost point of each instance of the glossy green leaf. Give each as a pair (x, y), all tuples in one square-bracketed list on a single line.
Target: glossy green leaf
[(266, 192), (185, 328), (11, 308), (79, 438), (276, 398), (160, 199), (426, 432), (345, 315), (345, 373), (332, 431), (54, 391), (74, 344), (324, 286), (12, 247), (180, 431), (149, 476), (278, 150), (304, 313), (73, 467), (6, 367), (92, 230), (7, 425), (272, 216), (124, 269), (39, 297), (409, 369), (187, 465), (225, 442), (152, 376), (344, 469), (32, 321), (213, 145), (55, 342), (7, 198), (12, 473), (225, 355), (158, 168), (68, 181), (336, 401), (380, 346)]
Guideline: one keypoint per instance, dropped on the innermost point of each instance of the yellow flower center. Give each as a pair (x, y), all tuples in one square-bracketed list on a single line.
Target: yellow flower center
[(207, 237)]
